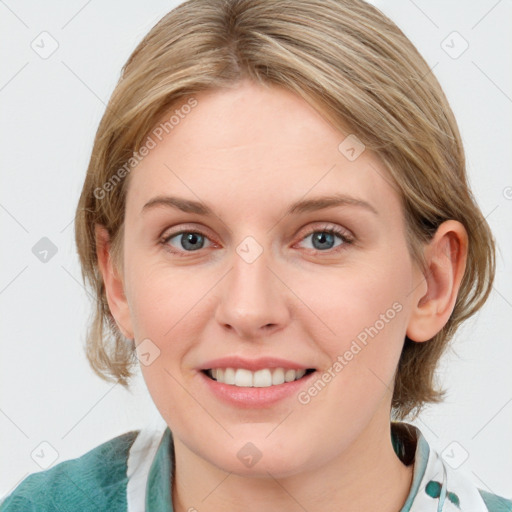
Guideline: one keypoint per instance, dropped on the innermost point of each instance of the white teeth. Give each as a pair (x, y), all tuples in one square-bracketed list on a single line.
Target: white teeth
[(229, 376), (289, 375), (262, 379), (300, 374), (277, 376), (259, 379), (243, 378)]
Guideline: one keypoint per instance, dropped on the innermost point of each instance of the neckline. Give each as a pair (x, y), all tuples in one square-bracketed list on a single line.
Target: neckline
[(411, 447), (408, 442)]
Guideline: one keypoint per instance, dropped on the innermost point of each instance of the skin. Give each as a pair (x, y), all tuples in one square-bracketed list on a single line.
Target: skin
[(249, 152)]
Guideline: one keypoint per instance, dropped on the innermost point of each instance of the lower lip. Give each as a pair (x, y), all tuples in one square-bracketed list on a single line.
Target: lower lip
[(249, 397)]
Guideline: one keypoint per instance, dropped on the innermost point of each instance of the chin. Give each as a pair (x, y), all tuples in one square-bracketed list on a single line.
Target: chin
[(270, 467), (261, 459)]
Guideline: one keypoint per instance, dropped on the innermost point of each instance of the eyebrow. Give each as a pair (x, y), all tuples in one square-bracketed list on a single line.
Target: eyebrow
[(301, 206)]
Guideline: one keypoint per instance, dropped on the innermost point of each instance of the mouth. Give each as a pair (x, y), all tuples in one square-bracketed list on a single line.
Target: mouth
[(263, 378), (254, 383)]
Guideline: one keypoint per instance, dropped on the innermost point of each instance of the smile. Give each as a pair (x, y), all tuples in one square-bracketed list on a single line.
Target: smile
[(263, 378)]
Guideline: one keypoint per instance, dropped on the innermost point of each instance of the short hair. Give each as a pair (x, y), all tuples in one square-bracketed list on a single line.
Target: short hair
[(358, 69)]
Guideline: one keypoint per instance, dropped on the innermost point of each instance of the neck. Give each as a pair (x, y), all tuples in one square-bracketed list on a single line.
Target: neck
[(367, 476)]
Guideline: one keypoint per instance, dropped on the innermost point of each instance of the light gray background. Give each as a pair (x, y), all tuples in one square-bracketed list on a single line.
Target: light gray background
[(50, 110)]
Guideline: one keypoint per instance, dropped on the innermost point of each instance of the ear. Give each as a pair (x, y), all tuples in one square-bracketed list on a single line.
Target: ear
[(114, 287), (445, 257)]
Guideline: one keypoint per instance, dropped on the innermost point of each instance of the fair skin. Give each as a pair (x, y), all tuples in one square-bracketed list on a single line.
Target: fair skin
[(248, 153)]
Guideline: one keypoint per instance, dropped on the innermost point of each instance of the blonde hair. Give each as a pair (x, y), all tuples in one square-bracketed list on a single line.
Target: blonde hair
[(350, 62)]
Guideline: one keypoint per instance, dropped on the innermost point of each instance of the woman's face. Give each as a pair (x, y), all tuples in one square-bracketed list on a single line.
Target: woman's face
[(262, 288)]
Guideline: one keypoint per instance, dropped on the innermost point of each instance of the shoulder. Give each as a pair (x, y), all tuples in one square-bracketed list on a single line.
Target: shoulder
[(462, 492), (439, 483), (94, 481), (495, 503)]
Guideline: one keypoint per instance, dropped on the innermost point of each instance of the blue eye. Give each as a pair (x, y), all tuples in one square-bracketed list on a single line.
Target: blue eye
[(323, 239), (190, 240)]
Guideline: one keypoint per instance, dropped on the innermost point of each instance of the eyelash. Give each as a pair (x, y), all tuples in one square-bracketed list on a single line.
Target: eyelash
[(332, 230)]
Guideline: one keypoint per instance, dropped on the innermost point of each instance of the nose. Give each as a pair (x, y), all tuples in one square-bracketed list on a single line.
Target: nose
[(254, 300)]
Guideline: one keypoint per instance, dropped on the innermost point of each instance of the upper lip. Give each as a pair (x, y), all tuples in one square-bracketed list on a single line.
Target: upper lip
[(252, 364)]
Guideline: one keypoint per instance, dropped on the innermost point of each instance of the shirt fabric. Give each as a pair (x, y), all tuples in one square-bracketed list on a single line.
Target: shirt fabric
[(132, 473)]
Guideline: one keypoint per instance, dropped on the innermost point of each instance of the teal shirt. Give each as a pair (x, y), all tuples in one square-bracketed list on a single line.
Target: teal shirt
[(132, 472)]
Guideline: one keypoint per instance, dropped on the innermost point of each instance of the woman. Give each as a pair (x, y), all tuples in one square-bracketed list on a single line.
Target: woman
[(277, 225)]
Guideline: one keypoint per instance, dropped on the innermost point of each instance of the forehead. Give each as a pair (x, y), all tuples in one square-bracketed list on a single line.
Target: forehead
[(254, 148)]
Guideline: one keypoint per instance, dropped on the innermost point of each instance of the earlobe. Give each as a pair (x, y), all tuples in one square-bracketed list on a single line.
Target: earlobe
[(114, 286), (445, 257)]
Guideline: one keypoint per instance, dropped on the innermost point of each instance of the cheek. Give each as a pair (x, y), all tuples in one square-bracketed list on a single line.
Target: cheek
[(359, 303), (161, 298), (168, 306), (164, 308), (367, 311)]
